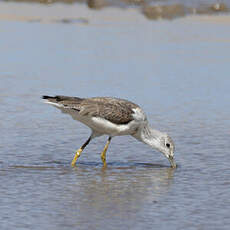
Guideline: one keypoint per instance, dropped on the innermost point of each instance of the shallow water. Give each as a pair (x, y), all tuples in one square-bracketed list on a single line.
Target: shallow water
[(182, 82)]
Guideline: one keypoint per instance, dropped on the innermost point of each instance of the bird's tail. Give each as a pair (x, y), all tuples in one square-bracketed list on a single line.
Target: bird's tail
[(61, 101), (51, 100)]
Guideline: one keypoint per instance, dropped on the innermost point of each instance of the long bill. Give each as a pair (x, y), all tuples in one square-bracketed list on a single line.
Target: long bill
[(172, 162)]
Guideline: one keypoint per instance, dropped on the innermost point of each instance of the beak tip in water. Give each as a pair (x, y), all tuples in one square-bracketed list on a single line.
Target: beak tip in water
[(173, 163)]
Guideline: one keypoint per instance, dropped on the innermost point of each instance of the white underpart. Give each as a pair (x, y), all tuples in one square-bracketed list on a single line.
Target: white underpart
[(103, 126)]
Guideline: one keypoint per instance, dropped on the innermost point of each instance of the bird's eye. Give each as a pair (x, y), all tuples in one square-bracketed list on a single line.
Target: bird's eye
[(167, 145)]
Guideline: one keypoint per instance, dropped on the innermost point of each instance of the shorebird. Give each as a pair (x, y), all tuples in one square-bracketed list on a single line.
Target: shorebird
[(113, 117)]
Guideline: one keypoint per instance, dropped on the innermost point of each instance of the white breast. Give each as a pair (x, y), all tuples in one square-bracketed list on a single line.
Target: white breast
[(139, 115)]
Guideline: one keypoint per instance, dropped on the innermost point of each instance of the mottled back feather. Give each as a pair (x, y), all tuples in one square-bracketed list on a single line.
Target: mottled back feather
[(115, 110)]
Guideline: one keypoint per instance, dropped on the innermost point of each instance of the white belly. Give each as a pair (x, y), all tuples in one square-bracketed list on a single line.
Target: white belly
[(102, 126), (106, 127)]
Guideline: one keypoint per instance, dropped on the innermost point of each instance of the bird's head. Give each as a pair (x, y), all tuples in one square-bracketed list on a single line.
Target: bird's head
[(157, 140), (166, 146)]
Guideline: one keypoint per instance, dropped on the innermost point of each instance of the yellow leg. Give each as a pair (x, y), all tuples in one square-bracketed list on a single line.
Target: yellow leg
[(103, 153), (78, 153)]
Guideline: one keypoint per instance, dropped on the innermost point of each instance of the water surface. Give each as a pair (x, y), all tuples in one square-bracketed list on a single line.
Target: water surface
[(180, 79)]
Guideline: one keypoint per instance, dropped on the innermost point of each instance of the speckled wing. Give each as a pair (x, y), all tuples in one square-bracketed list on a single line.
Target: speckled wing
[(118, 111)]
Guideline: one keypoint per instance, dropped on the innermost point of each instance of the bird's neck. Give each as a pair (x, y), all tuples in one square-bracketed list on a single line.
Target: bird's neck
[(149, 136)]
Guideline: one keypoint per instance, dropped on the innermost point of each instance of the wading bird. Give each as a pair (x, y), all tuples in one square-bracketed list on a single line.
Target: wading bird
[(113, 117)]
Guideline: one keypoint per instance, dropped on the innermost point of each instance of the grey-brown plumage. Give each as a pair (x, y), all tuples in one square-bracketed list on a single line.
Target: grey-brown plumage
[(117, 111)]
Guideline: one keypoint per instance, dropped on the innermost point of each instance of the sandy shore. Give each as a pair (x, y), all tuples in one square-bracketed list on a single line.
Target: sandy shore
[(81, 14), (64, 12)]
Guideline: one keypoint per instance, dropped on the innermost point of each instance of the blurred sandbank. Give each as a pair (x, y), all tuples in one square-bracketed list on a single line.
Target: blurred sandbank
[(82, 14)]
